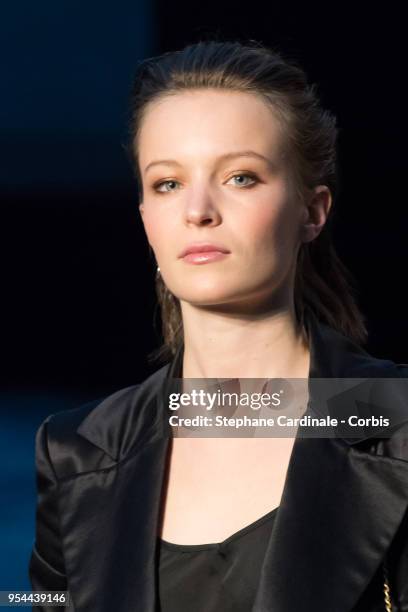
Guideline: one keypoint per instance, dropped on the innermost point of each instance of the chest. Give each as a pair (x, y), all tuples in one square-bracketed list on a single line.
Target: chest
[(216, 486)]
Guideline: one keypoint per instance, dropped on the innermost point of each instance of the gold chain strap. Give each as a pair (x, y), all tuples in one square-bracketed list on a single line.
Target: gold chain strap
[(387, 590)]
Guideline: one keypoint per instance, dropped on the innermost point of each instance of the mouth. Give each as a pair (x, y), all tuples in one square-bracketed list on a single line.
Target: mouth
[(203, 257), (204, 252)]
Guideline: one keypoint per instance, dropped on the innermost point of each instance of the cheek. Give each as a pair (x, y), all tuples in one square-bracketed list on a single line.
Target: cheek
[(155, 228), (272, 229)]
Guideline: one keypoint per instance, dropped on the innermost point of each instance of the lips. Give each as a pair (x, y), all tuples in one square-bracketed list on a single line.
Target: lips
[(206, 247)]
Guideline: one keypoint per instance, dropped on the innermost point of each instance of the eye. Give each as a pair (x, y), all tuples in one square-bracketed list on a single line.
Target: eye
[(156, 187), (245, 175)]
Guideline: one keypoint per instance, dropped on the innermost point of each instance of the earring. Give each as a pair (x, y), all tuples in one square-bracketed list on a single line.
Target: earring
[(157, 271)]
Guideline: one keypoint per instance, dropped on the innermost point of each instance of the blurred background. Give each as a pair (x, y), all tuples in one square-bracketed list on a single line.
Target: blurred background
[(77, 280)]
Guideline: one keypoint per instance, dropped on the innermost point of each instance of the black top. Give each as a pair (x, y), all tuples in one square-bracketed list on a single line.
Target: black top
[(220, 577)]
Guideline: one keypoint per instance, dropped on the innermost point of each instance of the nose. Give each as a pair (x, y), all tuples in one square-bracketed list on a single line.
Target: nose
[(201, 209)]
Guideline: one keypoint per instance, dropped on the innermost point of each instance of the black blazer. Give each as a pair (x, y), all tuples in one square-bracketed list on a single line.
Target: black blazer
[(100, 470)]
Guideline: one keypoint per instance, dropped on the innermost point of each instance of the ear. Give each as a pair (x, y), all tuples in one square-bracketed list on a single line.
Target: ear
[(316, 212), (141, 209)]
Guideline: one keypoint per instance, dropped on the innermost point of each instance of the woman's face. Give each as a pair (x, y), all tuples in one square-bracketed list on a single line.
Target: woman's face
[(200, 187)]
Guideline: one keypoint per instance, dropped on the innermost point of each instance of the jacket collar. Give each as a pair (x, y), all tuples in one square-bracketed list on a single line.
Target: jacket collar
[(130, 416), (340, 507)]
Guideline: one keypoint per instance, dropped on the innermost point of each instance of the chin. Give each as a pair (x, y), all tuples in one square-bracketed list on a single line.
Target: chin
[(215, 298), (200, 298), (204, 296)]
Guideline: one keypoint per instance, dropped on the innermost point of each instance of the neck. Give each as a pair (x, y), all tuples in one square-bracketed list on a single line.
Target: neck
[(217, 345)]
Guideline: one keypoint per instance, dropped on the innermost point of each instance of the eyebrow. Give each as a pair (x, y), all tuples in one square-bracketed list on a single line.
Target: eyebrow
[(226, 156)]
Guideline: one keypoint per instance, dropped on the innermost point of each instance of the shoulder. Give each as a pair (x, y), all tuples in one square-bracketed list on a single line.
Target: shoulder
[(69, 452), (62, 426), (395, 444), (402, 369), (99, 433)]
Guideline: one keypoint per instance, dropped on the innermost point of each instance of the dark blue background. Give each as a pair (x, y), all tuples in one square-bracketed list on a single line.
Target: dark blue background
[(77, 282), (66, 192)]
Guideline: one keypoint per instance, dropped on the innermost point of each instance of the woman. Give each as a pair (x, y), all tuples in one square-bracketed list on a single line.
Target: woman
[(236, 167)]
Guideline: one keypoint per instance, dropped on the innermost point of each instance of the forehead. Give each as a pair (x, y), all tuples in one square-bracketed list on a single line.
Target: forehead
[(208, 123)]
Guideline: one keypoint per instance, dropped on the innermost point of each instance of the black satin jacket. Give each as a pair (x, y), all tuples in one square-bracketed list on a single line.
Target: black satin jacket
[(100, 473)]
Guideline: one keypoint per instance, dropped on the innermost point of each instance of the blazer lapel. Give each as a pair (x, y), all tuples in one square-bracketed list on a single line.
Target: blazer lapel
[(109, 516), (340, 506), (339, 511)]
